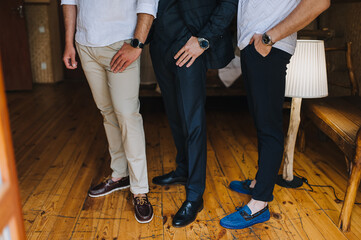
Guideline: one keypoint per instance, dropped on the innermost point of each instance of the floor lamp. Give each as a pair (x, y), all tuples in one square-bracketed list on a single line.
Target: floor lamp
[(306, 78)]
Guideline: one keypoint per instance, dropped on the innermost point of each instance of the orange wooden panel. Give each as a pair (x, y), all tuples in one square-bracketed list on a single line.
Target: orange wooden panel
[(9, 195)]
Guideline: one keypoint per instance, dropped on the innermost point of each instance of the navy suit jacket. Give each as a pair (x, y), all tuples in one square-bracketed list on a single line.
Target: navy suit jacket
[(210, 19)]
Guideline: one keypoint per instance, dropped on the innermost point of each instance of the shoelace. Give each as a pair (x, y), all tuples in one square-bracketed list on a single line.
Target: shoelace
[(109, 180), (106, 179), (243, 213), (239, 207), (141, 200)]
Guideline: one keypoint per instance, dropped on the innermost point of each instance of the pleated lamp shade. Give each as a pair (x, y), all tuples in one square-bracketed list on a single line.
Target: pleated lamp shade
[(306, 73)]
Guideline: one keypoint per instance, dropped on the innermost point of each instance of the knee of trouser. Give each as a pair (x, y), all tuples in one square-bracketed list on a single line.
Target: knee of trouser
[(128, 117), (269, 128), (126, 107), (195, 119), (109, 116), (266, 121), (105, 111), (270, 135)]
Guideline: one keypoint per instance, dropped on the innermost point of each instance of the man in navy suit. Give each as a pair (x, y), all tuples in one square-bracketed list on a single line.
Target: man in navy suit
[(188, 38)]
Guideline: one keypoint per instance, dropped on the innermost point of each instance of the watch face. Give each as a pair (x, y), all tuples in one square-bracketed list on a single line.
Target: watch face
[(204, 44), (134, 43), (266, 39)]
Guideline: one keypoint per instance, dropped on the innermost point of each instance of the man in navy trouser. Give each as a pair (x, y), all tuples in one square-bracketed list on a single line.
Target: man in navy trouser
[(189, 37), (183, 91), (267, 39), (265, 95)]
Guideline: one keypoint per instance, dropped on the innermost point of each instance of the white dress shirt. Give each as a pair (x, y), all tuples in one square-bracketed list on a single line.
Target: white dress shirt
[(103, 22), (259, 16)]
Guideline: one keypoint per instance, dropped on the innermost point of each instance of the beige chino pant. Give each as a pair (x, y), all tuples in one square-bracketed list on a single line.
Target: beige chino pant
[(116, 96)]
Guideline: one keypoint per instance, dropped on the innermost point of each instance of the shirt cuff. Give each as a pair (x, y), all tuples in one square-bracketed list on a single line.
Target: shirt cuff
[(68, 2), (147, 8)]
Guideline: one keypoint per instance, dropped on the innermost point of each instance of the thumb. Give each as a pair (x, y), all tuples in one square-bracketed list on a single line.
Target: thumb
[(73, 61), (252, 40)]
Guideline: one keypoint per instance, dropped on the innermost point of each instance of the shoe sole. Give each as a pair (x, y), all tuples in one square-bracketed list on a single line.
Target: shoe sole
[(245, 226), (192, 221), (107, 193), (170, 184), (142, 222)]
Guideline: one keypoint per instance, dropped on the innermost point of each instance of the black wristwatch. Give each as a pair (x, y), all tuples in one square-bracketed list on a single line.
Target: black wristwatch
[(266, 39), (135, 43), (203, 43)]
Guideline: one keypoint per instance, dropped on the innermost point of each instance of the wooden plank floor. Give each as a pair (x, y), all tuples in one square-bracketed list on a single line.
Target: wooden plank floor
[(61, 151)]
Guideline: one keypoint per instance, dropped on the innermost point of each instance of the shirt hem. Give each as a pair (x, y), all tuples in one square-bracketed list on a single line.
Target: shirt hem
[(87, 44), (279, 45)]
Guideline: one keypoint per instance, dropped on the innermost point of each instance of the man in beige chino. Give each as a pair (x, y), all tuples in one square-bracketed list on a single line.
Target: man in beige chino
[(109, 38)]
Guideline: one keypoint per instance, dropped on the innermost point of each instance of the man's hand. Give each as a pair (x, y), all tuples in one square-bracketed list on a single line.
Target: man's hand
[(124, 57), (261, 48), (190, 52), (69, 57)]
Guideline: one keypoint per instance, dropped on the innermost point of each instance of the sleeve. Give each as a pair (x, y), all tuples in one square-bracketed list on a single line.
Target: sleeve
[(148, 7), (69, 2), (220, 19)]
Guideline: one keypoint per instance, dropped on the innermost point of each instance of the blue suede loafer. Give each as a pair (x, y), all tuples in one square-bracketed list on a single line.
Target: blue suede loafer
[(244, 218), (241, 186)]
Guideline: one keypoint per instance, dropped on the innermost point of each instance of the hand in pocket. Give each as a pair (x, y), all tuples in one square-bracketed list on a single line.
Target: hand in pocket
[(260, 47)]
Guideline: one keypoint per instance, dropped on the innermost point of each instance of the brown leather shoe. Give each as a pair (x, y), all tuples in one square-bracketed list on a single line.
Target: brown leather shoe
[(143, 210), (108, 186)]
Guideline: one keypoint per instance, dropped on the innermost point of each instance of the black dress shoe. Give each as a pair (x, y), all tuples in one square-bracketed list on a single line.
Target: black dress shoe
[(169, 179), (187, 213)]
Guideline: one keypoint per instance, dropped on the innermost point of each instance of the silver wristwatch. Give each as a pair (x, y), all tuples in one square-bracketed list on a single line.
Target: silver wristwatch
[(267, 40), (203, 43)]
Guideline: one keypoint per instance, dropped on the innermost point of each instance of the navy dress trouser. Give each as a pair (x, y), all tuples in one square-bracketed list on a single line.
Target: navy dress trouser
[(184, 95), (265, 86)]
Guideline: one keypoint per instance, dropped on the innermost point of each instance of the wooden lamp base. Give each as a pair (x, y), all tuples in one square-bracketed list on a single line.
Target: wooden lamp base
[(287, 179)]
